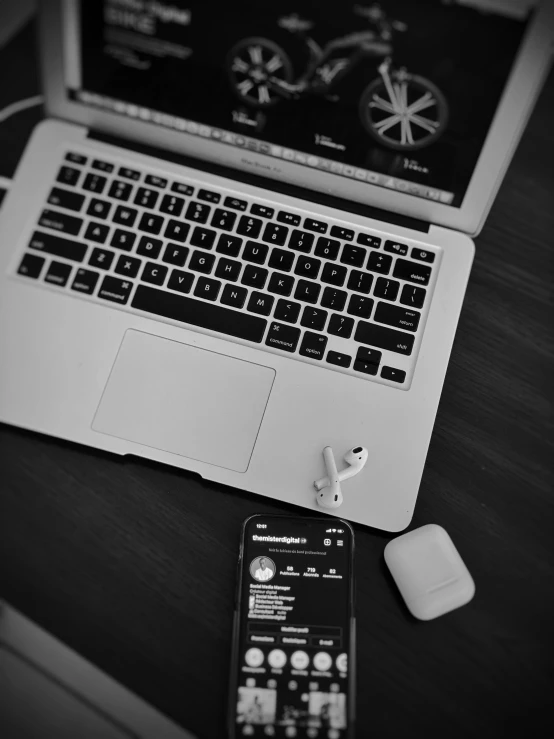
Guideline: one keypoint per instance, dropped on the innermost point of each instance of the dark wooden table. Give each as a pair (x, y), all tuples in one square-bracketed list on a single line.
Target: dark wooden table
[(133, 564)]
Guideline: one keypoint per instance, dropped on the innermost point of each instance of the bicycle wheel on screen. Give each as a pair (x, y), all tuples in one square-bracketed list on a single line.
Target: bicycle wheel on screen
[(255, 67), (407, 114)]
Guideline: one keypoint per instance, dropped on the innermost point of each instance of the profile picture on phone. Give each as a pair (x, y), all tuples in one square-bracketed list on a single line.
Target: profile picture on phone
[(262, 569)]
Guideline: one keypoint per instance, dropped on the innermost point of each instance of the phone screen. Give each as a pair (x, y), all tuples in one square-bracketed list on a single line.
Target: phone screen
[(294, 636)]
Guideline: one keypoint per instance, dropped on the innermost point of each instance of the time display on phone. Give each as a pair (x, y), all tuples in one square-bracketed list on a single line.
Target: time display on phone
[(294, 638)]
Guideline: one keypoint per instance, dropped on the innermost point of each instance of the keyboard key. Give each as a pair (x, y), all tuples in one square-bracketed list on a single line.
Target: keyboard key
[(412, 272), (101, 258), (254, 276), (367, 368), (198, 212), (283, 337), (291, 219), (58, 247), (360, 306), (379, 263), (31, 266), (335, 299), (249, 227), (260, 303), (99, 208), (58, 221), (313, 345), (94, 183), (175, 254), (314, 318), (341, 360), (176, 230), (281, 259), (129, 174), (224, 219), (154, 273), (97, 232), (393, 247), (150, 223), (255, 252), (327, 248), (287, 311), (307, 267), (203, 237), (346, 234), (262, 210), (229, 245), (180, 281), (235, 203), (228, 269), (202, 262), (281, 284), (207, 289), (334, 274), (367, 240), (301, 241), (275, 234), (66, 199), (340, 326), (307, 291), (85, 281), (353, 255), (124, 215), (58, 273), (101, 165), (233, 296), (149, 247), (181, 188), (68, 175), (122, 239), (204, 315), (155, 181), (211, 197), (116, 290), (397, 317), (365, 354), (413, 296), (172, 204), (384, 338), (385, 288), (120, 190), (395, 375), (318, 226), (128, 266), (146, 197), (360, 281), (75, 158), (423, 256)]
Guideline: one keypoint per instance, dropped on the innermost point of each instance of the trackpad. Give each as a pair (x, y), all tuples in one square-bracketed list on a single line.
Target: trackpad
[(185, 400)]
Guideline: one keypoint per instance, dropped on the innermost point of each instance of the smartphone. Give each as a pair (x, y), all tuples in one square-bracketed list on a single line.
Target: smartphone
[(292, 666)]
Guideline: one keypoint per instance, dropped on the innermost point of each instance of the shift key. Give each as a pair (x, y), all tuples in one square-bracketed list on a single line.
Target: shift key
[(384, 338), (60, 221), (58, 247)]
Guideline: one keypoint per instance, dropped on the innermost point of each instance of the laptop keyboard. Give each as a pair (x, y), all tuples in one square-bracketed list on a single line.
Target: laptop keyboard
[(311, 288)]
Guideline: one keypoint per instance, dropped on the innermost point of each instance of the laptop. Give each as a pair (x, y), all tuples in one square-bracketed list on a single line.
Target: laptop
[(244, 233)]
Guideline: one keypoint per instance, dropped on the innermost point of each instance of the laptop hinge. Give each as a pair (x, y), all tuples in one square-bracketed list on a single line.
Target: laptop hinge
[(269, 184)]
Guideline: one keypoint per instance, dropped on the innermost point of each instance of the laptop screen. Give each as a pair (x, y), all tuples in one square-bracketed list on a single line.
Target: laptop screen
[(399, 94)]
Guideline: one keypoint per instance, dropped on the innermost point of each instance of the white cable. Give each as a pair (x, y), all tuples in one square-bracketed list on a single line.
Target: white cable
[(14, 108)]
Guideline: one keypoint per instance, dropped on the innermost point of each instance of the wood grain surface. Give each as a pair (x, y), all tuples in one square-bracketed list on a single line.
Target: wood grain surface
[(133, 564)]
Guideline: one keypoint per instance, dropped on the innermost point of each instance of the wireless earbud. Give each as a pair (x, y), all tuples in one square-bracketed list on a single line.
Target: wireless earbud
[(355, 459), (331, 497)]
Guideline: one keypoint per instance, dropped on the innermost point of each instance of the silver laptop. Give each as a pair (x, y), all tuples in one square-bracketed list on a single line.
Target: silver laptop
[(244, 233)]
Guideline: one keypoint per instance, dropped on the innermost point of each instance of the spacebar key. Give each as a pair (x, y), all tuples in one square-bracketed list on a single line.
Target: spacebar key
[(199, 313)]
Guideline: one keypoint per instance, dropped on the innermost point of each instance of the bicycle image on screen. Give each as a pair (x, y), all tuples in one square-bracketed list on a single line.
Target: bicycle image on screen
[(398, 109)]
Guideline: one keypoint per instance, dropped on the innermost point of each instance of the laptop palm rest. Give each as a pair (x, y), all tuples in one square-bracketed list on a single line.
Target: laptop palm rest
[(185, 400)]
